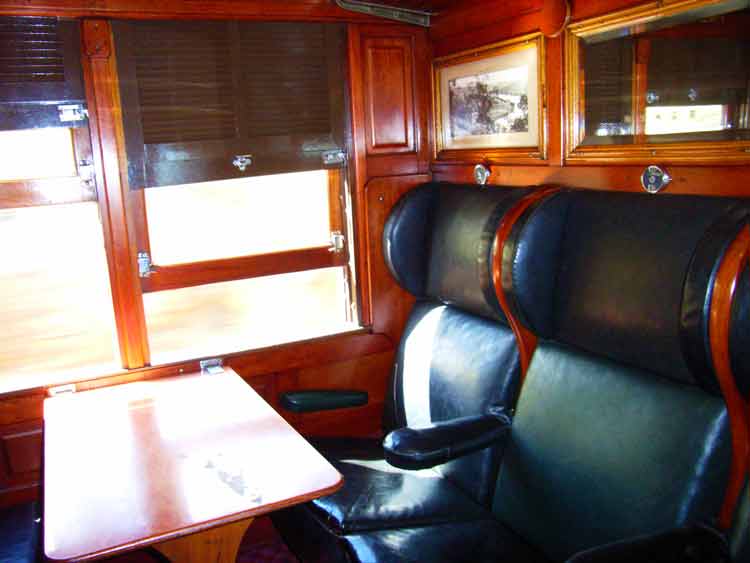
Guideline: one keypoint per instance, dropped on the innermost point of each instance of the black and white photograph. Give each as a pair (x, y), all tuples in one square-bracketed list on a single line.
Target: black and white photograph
[(486, 104), (489, 100)]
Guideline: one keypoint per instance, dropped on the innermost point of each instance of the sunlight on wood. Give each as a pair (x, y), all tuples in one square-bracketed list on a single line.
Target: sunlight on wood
[(240, 315), (239, 217), (56, 311), (30, 154)]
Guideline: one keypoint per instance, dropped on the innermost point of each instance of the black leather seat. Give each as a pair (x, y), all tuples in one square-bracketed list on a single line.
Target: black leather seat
[(457, 358), (19, 534), (620, 443)]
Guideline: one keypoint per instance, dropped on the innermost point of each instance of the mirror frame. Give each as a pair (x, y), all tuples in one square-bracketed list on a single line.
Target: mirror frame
[(684, 152)]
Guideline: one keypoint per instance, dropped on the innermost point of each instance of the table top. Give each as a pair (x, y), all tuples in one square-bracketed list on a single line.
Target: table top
[(134, 464)]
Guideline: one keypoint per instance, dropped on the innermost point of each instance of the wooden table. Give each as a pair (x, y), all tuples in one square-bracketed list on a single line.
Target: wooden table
[(181, 463)]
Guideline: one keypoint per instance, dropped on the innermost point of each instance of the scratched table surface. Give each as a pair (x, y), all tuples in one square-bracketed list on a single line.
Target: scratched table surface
[(134, 464)]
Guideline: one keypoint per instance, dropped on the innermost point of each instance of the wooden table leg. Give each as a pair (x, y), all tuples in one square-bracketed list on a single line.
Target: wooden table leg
[(215, 545)]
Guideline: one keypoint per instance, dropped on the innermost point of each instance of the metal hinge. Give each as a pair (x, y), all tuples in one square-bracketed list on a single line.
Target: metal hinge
[(61, 390), (145, 267), (334, 157), (72, 112), (417, 17), (338, 240), (212, 366)]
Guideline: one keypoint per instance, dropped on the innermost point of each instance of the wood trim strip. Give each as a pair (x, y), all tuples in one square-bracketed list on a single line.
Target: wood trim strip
[(731, 267), (47, 191), (229, 269), (525, 338), (105, 123)]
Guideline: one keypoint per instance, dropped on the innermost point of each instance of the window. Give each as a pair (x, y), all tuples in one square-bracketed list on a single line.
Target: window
[(239, 196)]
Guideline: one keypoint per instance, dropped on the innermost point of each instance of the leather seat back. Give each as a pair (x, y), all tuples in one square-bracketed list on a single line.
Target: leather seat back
[(457, 356), (620, 429)]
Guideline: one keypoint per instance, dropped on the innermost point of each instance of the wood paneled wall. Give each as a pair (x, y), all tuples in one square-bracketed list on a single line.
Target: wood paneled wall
[(390, 90), (472, 26)]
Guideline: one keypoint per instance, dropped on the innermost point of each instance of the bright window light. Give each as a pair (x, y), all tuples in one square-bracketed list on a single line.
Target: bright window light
[(663, 120), (31, 154)]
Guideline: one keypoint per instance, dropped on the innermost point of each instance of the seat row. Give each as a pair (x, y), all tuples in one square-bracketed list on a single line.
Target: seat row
[(621, 441)]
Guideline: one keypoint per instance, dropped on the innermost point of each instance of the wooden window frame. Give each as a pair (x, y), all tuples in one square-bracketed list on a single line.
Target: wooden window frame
[(203, 272), (690, 152)]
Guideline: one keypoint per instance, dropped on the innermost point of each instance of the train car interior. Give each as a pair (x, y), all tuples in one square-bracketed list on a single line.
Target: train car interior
[(375, 281)]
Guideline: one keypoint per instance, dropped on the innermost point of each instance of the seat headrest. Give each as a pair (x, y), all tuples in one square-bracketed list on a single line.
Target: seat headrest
[(438, 241), (629, 276)]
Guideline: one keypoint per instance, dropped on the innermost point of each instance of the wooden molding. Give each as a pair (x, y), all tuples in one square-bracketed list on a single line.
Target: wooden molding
[(509, 155), (229, 269), (105, 123), (501, 279), (733, 264), (690, 152)]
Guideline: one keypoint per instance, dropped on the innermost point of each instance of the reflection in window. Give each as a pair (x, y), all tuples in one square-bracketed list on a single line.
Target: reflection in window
[(664, 120), (669, 82)]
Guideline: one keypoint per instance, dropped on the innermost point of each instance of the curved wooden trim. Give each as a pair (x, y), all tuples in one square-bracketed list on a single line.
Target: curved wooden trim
[(525, 338), (725, 284)]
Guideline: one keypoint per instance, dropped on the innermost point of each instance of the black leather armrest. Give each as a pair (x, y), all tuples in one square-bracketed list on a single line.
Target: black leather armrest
[(313, 401), (691, 544), (419, 448)]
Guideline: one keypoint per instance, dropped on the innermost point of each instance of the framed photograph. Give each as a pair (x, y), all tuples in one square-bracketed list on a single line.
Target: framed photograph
[(488, 102)]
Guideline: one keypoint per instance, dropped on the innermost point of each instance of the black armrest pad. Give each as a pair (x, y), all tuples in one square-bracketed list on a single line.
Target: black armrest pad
[(691, 544), (411, 448), (313, 401)]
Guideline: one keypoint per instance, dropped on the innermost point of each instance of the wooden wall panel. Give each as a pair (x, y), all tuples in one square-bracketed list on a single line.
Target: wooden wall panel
[(389, 95), (450, 37), (391, 76), (20, 461)]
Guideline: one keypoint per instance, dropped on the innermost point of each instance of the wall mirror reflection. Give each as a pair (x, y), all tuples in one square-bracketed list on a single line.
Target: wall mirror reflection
[(656, 80)]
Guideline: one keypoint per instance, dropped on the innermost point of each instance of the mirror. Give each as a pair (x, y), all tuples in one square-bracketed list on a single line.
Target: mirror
[(662, 79)]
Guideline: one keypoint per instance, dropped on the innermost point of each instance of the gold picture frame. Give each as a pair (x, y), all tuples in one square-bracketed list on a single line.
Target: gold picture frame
[(489, 103), (678, 152)]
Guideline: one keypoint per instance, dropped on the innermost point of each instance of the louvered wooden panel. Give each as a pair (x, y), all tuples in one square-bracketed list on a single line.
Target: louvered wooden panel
[(30, 51), (285, 78), (608, 70), (185, 81)]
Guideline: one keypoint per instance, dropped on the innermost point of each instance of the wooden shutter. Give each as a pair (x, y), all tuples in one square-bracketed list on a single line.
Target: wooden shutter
[(39, 69), (195, 94), (608, 82)]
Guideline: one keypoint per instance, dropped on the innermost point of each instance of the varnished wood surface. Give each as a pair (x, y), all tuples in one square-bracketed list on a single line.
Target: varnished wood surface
[(503, 279), (136, 464), (733, 264), (217, 545), (105, 122)]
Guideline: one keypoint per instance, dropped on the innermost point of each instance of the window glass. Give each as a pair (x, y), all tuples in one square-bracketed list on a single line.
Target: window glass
[(29, 154), (239, 217), (239, 315), (56, 312)]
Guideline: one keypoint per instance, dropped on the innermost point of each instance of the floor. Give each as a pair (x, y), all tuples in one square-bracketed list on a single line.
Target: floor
[(261, 544)]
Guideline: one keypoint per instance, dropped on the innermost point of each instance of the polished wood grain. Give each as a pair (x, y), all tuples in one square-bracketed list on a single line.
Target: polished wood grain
[(165, 459), (503, 279), (105, 123), (389, 96), (218, 545), (390, 303), (308, 10), (555, 16), (733, 264), (228, 269), (367, 373)]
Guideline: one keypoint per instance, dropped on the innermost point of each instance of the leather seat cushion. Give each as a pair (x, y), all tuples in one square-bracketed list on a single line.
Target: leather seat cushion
[(18, 533), (378, 495), (464, 542)]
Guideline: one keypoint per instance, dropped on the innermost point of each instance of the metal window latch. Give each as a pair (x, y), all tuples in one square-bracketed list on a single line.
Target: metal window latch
[(331, 158), (242, 161), (86, 173), (70, 113), (212, 366), (145, 267), (337, 242), (61, 390)]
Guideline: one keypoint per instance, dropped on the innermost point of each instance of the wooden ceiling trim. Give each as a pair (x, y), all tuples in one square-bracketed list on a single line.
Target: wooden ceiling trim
[(291, 10)]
